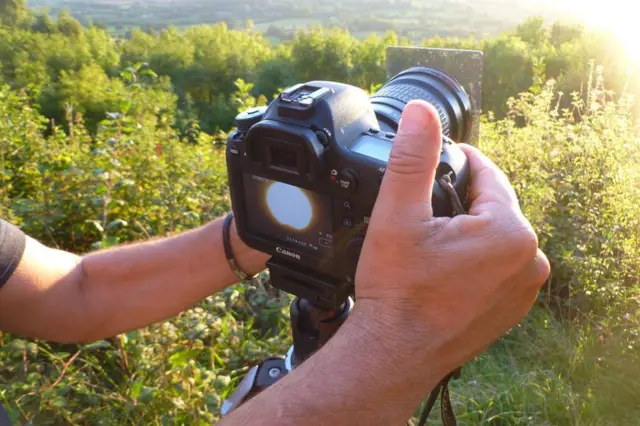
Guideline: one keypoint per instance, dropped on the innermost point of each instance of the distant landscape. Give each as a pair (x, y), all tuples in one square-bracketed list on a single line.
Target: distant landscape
[(279, 19)]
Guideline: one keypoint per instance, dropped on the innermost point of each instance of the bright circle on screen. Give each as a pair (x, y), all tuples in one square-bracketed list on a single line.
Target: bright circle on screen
[(289, 205)]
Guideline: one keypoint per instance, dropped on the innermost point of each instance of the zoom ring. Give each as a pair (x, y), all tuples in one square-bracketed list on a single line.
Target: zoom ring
[(405, 93)]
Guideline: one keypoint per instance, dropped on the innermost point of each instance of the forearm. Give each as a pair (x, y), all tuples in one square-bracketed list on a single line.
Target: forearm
[(352, 380), (132, 286)]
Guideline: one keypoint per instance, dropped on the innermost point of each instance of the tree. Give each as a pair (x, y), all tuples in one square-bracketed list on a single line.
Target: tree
[(508, 70), (42, 23), (12, 12), (68, 25), (533, 32), (564, 33)]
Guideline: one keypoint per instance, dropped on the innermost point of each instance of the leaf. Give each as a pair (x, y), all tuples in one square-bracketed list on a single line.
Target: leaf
[(110, 241), (180, 359), (179, 403), (18, 345), (118, 223), (146, 394), (149, 72), (212, 400), (97, 225), (127, 75), (101, 189), (125, 106), (58, 401), (100, 344), (136, 388)]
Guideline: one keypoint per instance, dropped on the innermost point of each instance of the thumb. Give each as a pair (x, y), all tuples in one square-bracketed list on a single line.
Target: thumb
[(414, 157)]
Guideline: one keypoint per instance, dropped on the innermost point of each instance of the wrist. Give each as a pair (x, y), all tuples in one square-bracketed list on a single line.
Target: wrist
[(357, 374), (388, 337), (249, 260)]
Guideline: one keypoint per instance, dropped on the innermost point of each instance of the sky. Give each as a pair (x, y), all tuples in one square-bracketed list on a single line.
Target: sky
[(619, 16)]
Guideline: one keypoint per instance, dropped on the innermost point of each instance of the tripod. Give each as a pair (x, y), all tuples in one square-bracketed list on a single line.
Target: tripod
[(311, 328)]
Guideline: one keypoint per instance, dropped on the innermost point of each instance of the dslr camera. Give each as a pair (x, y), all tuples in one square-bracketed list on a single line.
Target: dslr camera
[(305, 171)]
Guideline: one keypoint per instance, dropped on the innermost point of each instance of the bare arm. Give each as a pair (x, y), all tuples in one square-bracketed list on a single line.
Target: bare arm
[(360, 377), (58, 296)]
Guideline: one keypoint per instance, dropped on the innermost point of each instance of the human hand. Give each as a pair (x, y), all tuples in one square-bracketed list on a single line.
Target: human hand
[(435, 292)]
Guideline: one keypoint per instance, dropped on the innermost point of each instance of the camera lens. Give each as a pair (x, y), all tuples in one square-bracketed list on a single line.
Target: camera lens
[(441, 90)]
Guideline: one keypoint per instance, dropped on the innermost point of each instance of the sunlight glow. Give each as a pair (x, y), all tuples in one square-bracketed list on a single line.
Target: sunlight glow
[(618, 16)]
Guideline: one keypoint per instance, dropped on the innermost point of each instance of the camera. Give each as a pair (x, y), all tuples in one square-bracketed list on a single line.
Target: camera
[(305, 172)]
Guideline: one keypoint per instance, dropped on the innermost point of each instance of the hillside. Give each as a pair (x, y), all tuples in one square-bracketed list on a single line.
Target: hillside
[(279, 18)]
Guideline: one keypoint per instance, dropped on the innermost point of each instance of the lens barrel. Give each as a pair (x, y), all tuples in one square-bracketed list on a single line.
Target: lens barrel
[(441, 90)]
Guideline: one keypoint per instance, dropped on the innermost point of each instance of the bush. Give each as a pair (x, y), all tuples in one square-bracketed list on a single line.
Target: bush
[(576, 172)]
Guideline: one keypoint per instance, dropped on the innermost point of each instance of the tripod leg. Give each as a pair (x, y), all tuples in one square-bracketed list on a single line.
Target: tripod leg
[(311, 327), (258, 378)]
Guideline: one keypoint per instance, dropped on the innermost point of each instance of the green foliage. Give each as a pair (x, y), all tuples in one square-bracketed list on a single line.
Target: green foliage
[(576, 170), (173, 373), (68, 26), (12, 12), (203, 62)]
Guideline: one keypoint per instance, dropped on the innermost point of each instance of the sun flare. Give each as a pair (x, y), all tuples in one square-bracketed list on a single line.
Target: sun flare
[(620, 17)]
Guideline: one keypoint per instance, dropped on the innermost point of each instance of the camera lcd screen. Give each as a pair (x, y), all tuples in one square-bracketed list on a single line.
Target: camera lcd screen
[(373, 147), (297, 217)]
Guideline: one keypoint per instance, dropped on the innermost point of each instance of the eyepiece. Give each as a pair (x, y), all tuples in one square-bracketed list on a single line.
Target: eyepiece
[(441, 90)]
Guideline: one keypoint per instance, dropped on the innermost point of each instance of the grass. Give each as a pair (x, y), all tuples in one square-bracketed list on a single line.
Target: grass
[(546, 372)]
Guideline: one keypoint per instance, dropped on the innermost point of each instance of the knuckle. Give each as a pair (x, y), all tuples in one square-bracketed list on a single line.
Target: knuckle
[(544, 269), (524, 241)]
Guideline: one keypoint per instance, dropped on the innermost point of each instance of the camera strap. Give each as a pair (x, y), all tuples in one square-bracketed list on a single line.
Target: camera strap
[(446, 410), (446, 184)]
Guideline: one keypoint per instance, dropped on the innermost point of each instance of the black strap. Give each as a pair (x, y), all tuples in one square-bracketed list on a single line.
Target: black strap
[(446, 409), (447, 185), (12, 245), (226, 242)]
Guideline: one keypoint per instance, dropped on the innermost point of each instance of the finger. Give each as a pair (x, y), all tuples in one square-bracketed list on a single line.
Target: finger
[(415, 154), (488, 181)]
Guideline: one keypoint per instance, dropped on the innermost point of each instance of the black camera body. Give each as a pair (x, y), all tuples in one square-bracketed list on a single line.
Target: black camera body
[(305, 173)]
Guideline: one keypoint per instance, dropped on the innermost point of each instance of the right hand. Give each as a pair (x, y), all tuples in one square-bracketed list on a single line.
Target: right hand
[(435, 292)]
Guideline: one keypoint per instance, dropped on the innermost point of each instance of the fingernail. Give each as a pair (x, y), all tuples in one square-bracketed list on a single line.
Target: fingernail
[(415, 118)]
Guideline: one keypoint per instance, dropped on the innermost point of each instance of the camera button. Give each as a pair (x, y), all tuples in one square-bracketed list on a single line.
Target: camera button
[(346, 221), (322, 137), (347, 180)]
